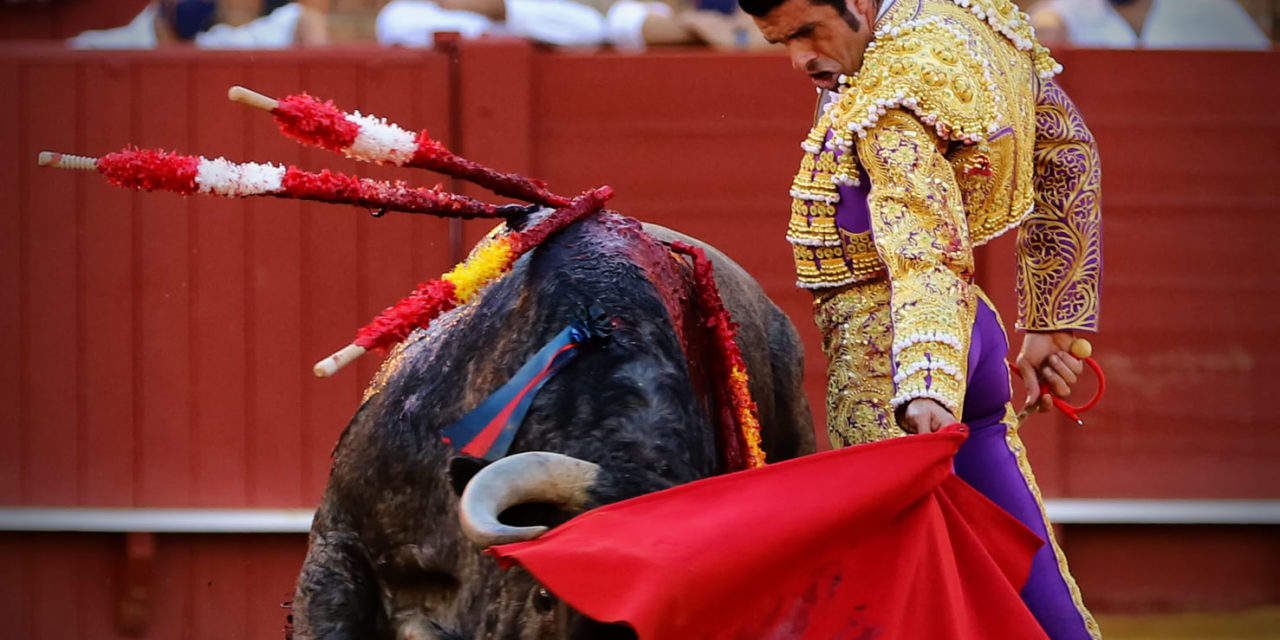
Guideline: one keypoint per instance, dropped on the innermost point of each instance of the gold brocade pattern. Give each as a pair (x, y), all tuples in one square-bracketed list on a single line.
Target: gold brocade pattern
[(971, 80), (920, 230), (813, 224), (856, 340), (1060, 243), (930, 64)]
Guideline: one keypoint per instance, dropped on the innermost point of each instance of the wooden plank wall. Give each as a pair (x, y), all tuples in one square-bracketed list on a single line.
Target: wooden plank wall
[(161, 343), (151, 323), (159, 347), (198, 587)]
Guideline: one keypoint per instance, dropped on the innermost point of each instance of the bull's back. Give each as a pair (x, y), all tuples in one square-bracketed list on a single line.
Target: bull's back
[(771, 348)]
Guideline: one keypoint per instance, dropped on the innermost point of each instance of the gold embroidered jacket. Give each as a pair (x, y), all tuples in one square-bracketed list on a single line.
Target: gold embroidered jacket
[(952, 133)]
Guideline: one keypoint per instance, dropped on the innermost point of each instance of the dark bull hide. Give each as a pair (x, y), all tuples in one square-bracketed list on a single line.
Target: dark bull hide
[(387, 557)]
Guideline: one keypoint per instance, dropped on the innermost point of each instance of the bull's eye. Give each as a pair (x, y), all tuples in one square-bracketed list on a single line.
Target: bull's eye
[(542, 600)]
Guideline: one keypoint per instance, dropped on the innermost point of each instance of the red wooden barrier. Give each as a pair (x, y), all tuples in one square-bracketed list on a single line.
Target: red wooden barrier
[(198, 587), (161, 344), (159, 347)]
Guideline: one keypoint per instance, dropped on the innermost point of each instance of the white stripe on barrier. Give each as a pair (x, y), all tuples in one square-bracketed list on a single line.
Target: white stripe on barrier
[(1061, 511), (1117, 511), (155, 520)]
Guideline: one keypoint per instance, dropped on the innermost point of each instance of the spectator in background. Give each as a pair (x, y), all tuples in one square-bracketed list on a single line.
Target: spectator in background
[(626, 24), (215, 24), (1151, 24)]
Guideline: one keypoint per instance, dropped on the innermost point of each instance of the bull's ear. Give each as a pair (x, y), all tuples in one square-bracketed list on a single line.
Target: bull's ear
[(461, 469), (517, 215)]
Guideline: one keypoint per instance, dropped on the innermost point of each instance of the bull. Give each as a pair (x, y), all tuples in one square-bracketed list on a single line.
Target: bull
[(392, 551)]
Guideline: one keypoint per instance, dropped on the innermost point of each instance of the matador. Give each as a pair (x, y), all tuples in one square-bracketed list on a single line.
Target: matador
[(941, 127)]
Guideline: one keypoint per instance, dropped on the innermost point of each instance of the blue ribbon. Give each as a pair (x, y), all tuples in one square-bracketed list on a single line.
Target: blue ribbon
[(487, 431)]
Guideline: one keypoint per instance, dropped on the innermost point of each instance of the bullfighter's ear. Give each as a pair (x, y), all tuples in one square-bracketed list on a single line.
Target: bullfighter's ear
[(461, 469)]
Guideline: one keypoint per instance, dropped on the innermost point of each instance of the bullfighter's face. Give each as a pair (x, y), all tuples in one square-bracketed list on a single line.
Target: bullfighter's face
[(823, 42)]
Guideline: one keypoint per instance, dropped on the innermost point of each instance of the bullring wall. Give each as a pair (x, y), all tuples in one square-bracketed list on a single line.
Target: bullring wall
[(159, 347)]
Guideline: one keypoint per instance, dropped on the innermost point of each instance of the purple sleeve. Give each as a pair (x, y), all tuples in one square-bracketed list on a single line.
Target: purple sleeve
[(1060, 242)]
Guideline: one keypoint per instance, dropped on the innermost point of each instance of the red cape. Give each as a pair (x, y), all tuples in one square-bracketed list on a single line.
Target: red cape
[(876, 541)]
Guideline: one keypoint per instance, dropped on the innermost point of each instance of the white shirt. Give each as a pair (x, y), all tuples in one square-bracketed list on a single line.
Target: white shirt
[(276, 30), (566, 23), (1170, 24), (140, 33)]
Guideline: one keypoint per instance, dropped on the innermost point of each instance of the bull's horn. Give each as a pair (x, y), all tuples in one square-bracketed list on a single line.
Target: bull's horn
[(533, 476)]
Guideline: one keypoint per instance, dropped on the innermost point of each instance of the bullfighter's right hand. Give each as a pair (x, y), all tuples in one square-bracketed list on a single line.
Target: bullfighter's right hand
[(924, 415)]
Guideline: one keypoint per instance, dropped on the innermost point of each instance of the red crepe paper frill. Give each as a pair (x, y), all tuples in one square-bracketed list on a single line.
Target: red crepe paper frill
[(309, 120), (329, 186), (151, 170), (430, 300), (433, 156), (581, 207), (323, 124), (740, 429), (395, 323)]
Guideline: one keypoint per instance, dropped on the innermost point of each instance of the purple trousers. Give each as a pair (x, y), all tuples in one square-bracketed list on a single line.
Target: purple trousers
[(993, 461)]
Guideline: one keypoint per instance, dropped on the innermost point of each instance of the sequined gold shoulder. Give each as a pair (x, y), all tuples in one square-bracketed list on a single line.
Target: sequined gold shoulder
[(1005, 18), (926, 67), (930, 66)]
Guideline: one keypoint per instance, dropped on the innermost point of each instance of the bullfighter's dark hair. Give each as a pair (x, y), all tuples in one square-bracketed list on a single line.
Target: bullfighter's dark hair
[(761, 8)]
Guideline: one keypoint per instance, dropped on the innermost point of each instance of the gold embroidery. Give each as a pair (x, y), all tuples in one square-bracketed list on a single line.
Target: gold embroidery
[(917, 219), (969, 78), (901, 70), (956, 85), (856, 339), (967, 70), (860, 256), (857, 243), (1060, 243)]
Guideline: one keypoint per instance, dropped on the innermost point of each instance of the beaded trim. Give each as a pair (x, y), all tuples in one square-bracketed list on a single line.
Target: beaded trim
[(936, 366), (978, 241), (928, 336), (813, 224), (1015, 25)]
